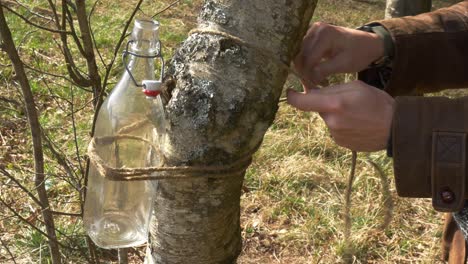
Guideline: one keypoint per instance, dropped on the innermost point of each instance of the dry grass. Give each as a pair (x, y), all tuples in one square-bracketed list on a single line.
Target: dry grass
[(293, 204), (293, 211)]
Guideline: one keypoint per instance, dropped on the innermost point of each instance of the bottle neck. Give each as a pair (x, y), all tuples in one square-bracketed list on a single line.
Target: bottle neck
[(145, 47), (140, 63)]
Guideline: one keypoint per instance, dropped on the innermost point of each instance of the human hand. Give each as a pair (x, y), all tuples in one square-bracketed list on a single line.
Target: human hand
[(328, 49), (359, 116)]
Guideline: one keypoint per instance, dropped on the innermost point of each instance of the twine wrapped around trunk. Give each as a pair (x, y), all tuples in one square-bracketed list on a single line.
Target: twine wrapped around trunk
[(161, 172)]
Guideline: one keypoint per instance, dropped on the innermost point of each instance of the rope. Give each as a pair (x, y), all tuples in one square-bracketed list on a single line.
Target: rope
[(386, 197), (349, 187), (160, 172)]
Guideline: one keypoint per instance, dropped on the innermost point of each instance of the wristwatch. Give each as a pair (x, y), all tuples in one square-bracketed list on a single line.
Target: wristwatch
[(388, 44)]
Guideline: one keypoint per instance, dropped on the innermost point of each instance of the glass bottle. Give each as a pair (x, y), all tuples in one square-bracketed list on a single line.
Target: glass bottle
[(117, 213)]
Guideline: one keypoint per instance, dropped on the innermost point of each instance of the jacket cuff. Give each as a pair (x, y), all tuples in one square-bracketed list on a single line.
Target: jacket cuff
[(429, 150)]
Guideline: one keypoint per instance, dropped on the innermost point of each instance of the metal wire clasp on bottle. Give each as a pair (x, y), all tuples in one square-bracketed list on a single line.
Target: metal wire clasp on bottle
[(151, 88)]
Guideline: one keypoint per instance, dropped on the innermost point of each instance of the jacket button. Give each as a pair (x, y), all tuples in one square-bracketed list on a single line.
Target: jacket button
[(447, 196)]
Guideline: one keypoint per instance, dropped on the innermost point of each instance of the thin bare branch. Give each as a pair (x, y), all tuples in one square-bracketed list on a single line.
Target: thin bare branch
[(11, 109), (68, 237), (74, 34), (166, 8), (6, 217), (81, 108), (66, 214), (52, 95), (62, 161), (74, 74), (27, 21), (91, 250), (55, 14), (24, 38), (24, 220), (88, 46), (93, 8), (10, 101), (65, 179), (38, 12), (8, 250), (21, 186), (77, 151), (72, 69), (29, 67), (9, 46)]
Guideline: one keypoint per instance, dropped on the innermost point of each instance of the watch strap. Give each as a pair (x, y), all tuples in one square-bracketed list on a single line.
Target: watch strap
[(389, 49)]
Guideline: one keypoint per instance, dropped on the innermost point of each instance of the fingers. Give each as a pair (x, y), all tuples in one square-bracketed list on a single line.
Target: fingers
[(328, 67), (317, 47), (314, 100), (308, 38), (317, 56)]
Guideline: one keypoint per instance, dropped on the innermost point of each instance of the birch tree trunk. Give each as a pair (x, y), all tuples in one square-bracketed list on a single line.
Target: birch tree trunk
[(225, 97), (400, 8)]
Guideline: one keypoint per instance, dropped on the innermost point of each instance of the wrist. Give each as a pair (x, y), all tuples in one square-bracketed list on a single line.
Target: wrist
[(382, 44)]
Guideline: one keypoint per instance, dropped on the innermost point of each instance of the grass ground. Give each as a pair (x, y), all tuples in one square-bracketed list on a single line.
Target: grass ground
[(293, 203)]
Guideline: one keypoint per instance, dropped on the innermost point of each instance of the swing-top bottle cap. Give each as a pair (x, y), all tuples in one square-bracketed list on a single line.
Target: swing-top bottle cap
[(151, 88), (145, 35)]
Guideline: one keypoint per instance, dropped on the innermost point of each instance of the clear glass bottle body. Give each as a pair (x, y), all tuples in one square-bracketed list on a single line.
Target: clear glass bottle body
[(117, 213)]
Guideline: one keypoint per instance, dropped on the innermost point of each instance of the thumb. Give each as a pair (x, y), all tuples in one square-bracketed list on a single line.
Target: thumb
[(314, 100), (333, 65)]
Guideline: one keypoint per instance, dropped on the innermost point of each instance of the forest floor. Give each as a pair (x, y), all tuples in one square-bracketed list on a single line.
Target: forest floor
[(292, 207)]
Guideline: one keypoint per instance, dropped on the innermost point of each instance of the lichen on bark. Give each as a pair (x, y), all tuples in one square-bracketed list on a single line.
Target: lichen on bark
[(225, 98)]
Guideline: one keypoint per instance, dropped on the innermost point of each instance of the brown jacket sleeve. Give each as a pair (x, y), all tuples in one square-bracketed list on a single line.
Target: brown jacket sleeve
[(431, 51), (429, 133)]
